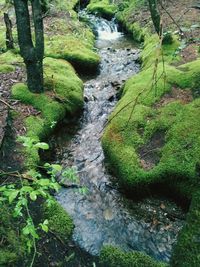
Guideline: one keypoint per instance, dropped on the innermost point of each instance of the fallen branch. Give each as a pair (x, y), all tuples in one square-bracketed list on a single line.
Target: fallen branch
[(17, 175), (5, 103)]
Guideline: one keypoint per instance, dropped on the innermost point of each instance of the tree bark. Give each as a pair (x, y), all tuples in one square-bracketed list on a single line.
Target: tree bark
[(32, 55), (9, 36), (155, 15)]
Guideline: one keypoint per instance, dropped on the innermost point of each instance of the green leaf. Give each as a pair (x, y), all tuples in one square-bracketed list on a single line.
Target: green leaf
[(2, 199), (27, 189), (33, 195), (44, 227), (43, 182), (55, 186), (17, 211), (42, 192), (34, 174), (57, 167), (42, 145), (26, 230), (13, 195), (46, 222), (2, 188)]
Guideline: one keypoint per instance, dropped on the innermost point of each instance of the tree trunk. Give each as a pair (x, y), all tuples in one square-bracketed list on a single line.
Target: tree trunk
[(9, 36), (32, 55), (155, 15)]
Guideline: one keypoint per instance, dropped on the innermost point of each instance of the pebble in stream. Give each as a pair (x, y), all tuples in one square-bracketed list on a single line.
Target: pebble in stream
[(103, 216)]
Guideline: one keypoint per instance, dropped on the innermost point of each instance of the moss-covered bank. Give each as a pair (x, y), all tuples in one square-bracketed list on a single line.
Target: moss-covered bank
[(143, 111), (103, 8), (152, 137), (114, 257), (63, 97), (65, 39), (187, 250)]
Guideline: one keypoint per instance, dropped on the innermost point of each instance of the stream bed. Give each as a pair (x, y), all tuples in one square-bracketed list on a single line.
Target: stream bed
[(103, 215)]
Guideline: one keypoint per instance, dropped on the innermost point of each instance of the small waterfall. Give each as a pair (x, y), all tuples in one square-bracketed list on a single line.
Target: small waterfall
[(104, 29), (108, 30)]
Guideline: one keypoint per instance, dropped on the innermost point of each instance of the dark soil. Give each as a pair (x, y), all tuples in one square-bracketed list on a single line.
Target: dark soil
[(150, 152), (176, 94)]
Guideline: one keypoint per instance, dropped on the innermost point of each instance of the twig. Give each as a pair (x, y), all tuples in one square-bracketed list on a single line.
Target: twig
[(5, 103), (16, 174), (149, 151), (57, 237), (182, 33)]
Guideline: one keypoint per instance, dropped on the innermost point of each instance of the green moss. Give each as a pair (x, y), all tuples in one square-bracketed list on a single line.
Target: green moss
[(126, 9), (11, 58), (6, 68), (187, 250), (72, 41), (73, 50), (63, 97), (64, 5), (8, 61), (62, 79), (122, 140), (152, 51), (51, 110), (103, 8), (59, 221), (114, 257)]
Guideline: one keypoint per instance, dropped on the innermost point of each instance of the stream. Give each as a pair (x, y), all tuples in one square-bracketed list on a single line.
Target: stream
[(103, 215)]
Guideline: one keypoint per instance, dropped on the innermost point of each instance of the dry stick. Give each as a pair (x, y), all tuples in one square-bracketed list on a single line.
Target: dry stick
[(16, 174), (154, 82), (154, 78), (124, 107), (5, 103), (57, 237), (149, 151), (171, 17), (187, 10)]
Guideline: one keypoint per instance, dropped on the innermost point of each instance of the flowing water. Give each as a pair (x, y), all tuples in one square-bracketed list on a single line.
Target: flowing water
[(103, 215)]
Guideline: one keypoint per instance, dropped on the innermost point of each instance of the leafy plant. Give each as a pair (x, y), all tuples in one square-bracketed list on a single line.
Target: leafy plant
[(31, 186)]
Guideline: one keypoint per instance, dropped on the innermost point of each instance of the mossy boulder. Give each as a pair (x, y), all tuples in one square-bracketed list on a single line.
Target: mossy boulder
[(114, 257)]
